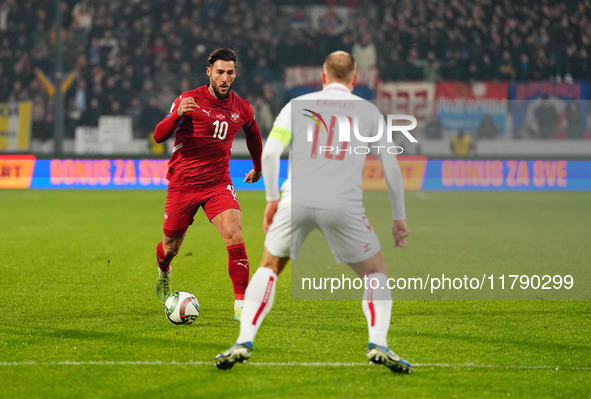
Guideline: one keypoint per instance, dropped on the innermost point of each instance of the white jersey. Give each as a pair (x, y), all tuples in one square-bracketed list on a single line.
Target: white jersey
[(323, 187), (324, 172)]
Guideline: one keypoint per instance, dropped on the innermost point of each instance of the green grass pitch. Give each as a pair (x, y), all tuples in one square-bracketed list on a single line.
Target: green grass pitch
[(80, 318)]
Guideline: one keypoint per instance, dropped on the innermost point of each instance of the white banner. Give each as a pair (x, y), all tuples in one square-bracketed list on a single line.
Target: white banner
[(115, 134), (86, 140)]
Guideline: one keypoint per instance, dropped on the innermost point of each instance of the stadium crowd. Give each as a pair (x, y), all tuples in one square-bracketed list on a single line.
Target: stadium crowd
[(134, 57)]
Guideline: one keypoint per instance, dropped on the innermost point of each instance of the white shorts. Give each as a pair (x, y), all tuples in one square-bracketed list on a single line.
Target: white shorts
[(348, 233)]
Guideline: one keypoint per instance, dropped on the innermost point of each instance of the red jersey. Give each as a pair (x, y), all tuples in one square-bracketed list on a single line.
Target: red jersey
[(204, 137)]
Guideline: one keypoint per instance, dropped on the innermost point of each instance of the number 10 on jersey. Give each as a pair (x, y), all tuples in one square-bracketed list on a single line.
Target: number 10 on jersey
[(221, 129), (329, 148)]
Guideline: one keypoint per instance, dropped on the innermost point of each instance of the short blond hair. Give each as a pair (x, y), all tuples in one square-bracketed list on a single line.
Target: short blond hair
[(339, 65)]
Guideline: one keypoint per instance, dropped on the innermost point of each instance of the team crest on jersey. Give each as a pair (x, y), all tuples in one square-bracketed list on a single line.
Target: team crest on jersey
[(235, 116)]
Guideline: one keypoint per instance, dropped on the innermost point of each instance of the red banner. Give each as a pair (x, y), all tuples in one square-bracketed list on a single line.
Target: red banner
[(472, 91)]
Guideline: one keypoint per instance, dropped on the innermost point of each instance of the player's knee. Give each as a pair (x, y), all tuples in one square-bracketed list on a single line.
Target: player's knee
[(232, 236), (273, 262)]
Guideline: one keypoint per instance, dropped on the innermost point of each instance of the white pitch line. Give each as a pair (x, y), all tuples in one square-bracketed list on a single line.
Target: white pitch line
[(290, 364)]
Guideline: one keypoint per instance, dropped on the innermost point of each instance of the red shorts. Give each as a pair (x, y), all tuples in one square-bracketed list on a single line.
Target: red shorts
[(182, 204)]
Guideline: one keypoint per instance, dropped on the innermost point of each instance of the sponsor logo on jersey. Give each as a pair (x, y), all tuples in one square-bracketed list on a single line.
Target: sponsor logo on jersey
[(207, 112), (220, 116)]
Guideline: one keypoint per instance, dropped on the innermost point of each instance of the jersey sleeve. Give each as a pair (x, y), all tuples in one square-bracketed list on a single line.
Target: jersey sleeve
[(166, 128), (249, 118), (282, 126), (271, 162), (391, 170)]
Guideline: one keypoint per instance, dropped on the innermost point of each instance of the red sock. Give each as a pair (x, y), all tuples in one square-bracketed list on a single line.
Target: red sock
[(238, 269), (162, 259)]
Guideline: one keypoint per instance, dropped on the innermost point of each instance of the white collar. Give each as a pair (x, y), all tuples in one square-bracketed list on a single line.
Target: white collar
[(337, 86)]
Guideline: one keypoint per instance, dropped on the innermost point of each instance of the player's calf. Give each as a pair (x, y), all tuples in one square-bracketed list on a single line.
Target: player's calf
[(163, 258)]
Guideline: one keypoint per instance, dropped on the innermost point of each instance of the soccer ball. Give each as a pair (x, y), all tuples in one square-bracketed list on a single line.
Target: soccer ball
[(181, 308)]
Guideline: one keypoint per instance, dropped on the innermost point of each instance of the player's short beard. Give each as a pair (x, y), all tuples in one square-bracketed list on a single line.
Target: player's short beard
[(219, 95)]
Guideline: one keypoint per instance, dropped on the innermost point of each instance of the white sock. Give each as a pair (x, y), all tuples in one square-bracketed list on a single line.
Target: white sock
[(238, 304), (377, 307), (258, 300)]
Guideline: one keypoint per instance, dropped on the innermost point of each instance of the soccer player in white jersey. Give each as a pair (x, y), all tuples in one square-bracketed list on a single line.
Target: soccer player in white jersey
[(330, 200)]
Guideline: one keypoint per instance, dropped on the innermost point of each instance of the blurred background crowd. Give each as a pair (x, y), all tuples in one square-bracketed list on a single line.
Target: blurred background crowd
[(134, 57)]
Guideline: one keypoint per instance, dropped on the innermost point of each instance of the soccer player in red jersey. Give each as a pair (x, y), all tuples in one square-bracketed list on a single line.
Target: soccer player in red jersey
[(205, 121)]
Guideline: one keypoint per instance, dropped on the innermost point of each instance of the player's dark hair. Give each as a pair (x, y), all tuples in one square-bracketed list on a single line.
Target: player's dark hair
[(224, 54)]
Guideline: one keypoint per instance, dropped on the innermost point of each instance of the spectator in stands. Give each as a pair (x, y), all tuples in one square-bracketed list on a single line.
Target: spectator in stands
[(391, 68), (264, 115), (462, 145), (486, 68), (434, 129), (581, 65), (546, 117), (487, 129), (39, 129), (430, 67), (134, 111), (364, 51), (115, 109), (418, 40), (80, 97), (543, 68), (109, 49), (411, 69), (505, 69), (4, 11), (150, 116), (91, 115), (82, 18), (523, 68), (574, 121), (164, 98)]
